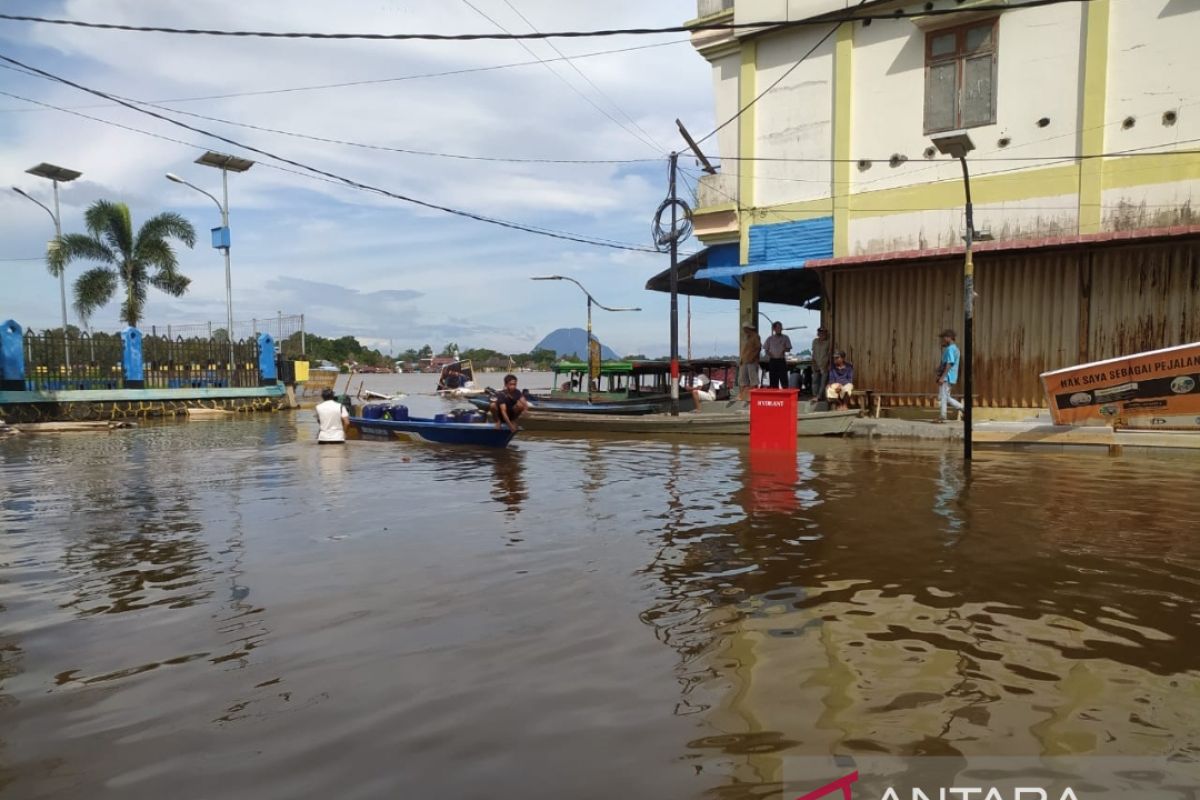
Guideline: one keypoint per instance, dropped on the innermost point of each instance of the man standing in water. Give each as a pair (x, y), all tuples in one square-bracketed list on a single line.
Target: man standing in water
[(777, 346), (332, 419), (748, 362), (508, 404), (947, 373)]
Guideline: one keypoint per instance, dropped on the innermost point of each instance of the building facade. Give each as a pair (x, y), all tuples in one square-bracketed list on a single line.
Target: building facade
[(1085, 175)]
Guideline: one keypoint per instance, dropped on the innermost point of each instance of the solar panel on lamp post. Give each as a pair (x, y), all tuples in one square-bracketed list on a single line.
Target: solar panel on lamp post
[(55, 174), (221, 239)]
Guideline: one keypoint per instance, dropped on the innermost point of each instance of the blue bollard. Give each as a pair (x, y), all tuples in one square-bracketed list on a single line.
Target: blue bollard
[(132, 358), (12, 357), (267, 374)]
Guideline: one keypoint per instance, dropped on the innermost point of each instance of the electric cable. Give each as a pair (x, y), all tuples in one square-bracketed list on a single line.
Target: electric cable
[(339, 178), (467, 37), (570, 85), (375, 81)]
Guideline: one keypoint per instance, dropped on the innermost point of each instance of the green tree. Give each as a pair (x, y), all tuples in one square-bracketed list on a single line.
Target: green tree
[(425, 352), (136, 260), (450, 349)]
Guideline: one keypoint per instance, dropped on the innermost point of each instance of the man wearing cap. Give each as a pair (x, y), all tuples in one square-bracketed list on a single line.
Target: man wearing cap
[(820, 361), (748, 361), (777, 346), (947, 373)]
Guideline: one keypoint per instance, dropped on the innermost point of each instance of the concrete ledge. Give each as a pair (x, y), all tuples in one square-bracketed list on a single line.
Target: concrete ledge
[(136, 395)]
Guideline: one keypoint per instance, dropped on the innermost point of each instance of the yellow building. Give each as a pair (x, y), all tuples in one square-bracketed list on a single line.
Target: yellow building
[(1085, 119)]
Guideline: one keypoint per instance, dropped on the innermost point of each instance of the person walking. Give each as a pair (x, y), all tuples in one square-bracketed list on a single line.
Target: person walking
[(947, 374), (777, 346), (748, 361), (820, 362), (332, 419)]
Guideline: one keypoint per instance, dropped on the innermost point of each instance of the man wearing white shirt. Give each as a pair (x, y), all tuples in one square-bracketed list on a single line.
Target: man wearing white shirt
[(332, 419)]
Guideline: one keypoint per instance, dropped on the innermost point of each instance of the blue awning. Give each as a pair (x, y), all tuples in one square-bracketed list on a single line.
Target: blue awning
[(783, 246)]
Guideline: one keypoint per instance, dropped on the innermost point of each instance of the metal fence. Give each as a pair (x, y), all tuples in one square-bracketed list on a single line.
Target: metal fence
[(95, 361), (196, 362), (56, 363), (287, 330)]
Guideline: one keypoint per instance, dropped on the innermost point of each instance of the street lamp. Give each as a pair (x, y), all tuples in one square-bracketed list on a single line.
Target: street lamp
[(55, 175), (590, 302), (957, 144), (772, 322), (220, 236)]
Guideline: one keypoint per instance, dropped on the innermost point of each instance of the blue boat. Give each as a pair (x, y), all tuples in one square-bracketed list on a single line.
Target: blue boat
[(441, 430)]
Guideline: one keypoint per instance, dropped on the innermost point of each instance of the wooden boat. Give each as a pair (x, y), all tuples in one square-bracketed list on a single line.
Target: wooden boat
[(623, 387), (210, 413), (457, 381), (476, 434), (716, 422)]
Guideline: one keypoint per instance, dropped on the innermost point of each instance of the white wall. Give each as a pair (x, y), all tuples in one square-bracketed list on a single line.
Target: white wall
[(1154, 58), (931, 228), (725, 93), (1038, 74), (795, 119)]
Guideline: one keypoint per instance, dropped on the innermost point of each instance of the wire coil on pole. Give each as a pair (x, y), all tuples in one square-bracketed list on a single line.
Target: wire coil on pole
[(662, 234)]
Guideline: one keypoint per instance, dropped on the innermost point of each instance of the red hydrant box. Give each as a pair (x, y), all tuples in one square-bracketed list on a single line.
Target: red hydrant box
[(773, 419)]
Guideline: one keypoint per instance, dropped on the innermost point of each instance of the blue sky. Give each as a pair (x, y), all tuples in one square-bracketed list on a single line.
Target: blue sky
[(356, 263)]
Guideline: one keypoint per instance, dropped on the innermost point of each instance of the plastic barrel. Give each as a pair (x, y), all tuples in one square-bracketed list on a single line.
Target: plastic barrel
[(399, 412), (373, 412), (441, 417)]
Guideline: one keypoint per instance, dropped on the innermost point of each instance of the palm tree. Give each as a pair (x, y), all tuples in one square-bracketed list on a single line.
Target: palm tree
[(135, 261)]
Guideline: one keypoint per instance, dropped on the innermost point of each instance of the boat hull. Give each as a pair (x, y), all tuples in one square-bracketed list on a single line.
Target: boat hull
[(632, 406), (716, 423), (475, 434)]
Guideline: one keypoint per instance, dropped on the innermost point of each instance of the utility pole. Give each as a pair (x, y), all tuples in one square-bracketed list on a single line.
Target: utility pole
[(674, 288)]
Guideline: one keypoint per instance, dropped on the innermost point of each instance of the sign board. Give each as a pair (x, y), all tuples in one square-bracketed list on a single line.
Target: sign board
[(1158, 389), (593, 360)]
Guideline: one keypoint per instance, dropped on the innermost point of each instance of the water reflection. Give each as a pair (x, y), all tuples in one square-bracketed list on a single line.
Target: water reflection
[(508, 479), (850, 627)]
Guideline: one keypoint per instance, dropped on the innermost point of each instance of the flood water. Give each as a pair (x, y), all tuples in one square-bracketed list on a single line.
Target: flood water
[(223, 609)]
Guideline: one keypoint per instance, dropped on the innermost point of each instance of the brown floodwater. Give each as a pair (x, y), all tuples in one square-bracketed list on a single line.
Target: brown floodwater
[(224, 609)]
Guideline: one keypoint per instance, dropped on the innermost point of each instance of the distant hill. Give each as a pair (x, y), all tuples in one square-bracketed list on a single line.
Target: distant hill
[(572, 342)]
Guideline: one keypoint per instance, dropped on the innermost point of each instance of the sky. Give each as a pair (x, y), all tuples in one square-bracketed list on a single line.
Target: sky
[(393, 274)]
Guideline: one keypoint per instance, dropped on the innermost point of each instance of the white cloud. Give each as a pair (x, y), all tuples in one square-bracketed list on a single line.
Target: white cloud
[(468, 279)]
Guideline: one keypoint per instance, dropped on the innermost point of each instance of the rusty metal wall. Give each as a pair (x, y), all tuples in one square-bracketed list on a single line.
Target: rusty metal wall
[(1143, 299), (1033, 313), (1026, 322)]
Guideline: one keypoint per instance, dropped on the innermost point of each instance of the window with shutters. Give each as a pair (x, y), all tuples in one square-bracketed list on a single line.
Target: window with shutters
[(960, 77)]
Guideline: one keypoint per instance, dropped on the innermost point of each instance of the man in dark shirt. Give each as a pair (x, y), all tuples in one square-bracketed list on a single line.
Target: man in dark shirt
[(508, 404)]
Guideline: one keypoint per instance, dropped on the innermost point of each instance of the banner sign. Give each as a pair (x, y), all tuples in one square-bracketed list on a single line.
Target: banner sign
[(594, 359), (1158, 389)]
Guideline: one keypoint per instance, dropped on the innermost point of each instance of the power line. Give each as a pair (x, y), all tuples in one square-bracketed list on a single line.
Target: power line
[(467, 37), (554, 72), (778, 80), (374, 81), (345, 142), (339, 178), (590, 82)]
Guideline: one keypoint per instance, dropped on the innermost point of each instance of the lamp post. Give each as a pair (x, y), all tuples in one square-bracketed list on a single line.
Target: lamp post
[(55, 175), (590, 302), (957, 144), (221, 240)]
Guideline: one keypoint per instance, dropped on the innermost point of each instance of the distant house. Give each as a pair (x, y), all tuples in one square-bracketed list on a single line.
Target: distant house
[(436, 363)]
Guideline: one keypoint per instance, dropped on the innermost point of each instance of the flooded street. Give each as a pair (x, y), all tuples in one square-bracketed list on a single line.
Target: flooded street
[(221, 608)]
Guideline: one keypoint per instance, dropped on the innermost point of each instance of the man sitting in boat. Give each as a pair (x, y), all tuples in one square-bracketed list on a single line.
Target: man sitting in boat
[(508, 404), (452, 378), (702, 388)]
